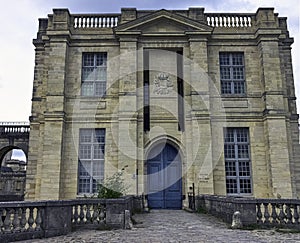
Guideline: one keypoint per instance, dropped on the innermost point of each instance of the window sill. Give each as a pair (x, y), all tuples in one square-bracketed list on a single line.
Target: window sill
[(86, 195)]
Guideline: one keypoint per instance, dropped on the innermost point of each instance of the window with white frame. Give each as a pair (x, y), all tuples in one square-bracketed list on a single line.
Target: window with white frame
[(232, 73), (94, 74), (91, 159), (237, 161)]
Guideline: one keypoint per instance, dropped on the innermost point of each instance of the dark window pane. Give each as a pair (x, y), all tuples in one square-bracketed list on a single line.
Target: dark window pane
[(231, 186), (88, 60), (237, 59), (230, 168), (226, 87), (225, 73), (229, 151)]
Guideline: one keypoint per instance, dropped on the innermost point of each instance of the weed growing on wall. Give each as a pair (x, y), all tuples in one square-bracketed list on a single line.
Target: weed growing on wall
[(113, 186)]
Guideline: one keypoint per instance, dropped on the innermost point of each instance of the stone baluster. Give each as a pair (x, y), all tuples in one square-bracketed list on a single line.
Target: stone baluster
[(95, 215), (102, 214), (81, 214), (208, 21), (237, 21), (248, 21), (88, 214), (281, 215), (75, 214), (113, 22), (23, 220), (96, 22), (288, 214), (259, 214), (227, 22), (75, 23), (7, 222), (81, 22), (274, 214), (296, 214), (38, 220), (212, 21), (1, 221), (220, 21), (31, 219), (266, 213), (16, 220)]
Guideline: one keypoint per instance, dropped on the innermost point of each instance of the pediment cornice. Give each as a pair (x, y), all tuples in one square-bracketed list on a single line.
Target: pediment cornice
[(179, 25)]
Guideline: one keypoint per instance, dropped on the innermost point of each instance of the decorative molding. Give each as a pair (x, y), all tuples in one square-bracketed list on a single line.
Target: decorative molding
[(162, 84)]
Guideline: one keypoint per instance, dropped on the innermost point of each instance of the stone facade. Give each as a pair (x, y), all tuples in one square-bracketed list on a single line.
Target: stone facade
[(151, 57)]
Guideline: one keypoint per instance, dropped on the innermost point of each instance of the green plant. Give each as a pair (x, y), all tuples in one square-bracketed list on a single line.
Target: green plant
[(114, 186)]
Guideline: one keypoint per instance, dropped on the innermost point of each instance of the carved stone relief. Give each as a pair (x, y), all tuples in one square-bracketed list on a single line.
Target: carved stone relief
[(162, 84)]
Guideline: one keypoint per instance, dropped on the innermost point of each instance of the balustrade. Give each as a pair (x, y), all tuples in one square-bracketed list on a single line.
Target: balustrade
[(278, 212), (229, 20), (95, 21), (28, 220), (225, 20), (89, 213), (20, 219), (6, 128), (262, 212)]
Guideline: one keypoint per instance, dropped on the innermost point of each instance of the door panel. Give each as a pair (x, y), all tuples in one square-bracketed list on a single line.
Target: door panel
[(164, 179)]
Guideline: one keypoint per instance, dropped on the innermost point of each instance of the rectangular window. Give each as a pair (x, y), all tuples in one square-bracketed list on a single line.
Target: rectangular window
[(94, 74), (232, 73), (237, 161), (91, 159)]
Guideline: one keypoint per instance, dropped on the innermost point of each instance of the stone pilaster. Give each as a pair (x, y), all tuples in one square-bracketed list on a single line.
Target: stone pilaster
[(276, 128), (36, 119), (128, 111), (202, 172), (49, 172)]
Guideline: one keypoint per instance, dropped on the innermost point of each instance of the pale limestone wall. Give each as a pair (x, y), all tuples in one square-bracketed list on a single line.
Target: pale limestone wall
[(268, 109)]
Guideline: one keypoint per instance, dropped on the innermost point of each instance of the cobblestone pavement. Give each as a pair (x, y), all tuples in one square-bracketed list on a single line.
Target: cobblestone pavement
[(176, 226)]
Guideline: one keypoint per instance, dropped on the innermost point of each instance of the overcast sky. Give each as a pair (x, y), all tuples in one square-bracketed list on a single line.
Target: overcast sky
[(19, 24)]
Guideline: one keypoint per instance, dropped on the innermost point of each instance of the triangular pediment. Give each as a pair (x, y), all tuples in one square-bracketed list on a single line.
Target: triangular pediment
[(163, 22)]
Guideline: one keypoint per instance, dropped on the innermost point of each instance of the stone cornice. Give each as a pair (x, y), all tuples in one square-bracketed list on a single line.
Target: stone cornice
[(134, 27)]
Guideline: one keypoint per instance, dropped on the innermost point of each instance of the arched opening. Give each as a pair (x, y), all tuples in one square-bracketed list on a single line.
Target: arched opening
[(12, 158), (164, 177)]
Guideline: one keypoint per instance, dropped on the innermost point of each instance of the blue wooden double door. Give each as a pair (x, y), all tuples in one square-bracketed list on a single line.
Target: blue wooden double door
[(164, 178)]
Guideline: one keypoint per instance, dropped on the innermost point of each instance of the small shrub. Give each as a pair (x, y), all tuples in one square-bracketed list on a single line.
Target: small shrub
[(114, 186)]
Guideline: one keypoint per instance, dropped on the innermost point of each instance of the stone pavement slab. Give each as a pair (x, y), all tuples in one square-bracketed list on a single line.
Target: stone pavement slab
[(176, 226)]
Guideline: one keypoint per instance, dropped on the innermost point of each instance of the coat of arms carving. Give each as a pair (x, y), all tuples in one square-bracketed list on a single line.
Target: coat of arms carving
[(162, 84)]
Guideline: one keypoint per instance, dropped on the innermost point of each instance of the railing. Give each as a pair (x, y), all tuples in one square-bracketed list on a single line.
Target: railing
[(279, 213), (89, 212), (86, 21), (227, 20), (21, 220), (29, 220), (12, 128), (230, 20)]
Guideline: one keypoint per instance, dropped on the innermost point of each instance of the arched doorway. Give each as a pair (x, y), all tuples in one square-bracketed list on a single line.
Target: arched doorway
[(164, 173)]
